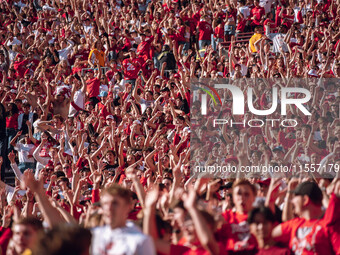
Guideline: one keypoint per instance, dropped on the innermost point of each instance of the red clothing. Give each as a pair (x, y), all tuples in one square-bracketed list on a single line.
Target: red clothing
[(306, 237), (219, 32), (93, 87), (205, 30), (131, 68), (331, 221), (184, 250), (289, 20), (20, 67), (241, 25), (144, 47), (274, 250), (235, 234), (12, 121), (103, 110), (258, 13), (285, 142), (5, 237)]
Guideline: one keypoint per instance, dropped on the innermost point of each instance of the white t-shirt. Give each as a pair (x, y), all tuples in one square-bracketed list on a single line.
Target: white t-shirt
[(128, 241), (145, 104), (245, 10), (266, 4), (79, 100), (25, 152)]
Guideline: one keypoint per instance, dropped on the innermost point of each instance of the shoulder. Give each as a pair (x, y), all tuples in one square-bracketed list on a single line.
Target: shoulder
[(99, 230)]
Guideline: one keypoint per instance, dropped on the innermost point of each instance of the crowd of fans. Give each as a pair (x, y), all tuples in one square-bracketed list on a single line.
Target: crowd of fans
[(99, 125)]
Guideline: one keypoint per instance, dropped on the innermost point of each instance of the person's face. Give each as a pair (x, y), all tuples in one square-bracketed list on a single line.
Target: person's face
[(140, 140), (109, 157), (314, 159), (215, 152), (62, 185), (132, 54), (178, 217), (115, 210), (243, 198), (297, 202), (167, 184), (60, 98), (66, 167), (24, 237), (278, 154), (89, 75), (189, 231), (130, 159), (49, 61), (261, 228), (165, 161)]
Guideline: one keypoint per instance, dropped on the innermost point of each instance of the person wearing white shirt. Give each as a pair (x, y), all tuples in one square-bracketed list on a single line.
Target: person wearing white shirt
[(243, 9), (118, 236), (66, 49), (278, 38)]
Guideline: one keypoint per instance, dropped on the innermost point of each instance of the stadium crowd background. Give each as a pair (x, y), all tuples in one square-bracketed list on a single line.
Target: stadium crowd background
[(96, 123)]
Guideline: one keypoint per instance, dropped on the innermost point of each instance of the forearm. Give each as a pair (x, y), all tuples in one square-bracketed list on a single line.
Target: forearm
[(51, 214), (16, 171), (287, 212)]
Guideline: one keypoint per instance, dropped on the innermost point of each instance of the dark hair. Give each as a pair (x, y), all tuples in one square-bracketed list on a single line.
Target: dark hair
[(30, 221), (265, 211), (64, 239), (2, 111), (13, 111)]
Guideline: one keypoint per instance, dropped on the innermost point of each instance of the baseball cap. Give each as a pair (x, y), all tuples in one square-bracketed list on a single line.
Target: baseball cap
[(109, 117), (311, 189), (103, 94), (279, 148)]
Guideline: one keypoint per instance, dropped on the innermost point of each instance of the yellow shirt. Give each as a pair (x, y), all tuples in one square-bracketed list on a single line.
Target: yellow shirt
[(253, 40), (27, 252), (99, 55)]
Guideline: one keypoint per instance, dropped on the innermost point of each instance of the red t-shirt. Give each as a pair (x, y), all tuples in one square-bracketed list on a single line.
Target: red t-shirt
[(306, 237), (258, 13), (20, 67), (144, 47), (131, 70), (219, 32), (235, 234), (12, 121), (205, 30), (93, 87)]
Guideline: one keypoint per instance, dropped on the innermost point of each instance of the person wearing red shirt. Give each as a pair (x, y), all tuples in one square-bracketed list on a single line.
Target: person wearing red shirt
[(143, 48), (204, 31), (262, 221), (197, 228), (218, 32), (93, 84), (257, 15), (11, 123), (20, 65), (307, 234), (235, 233), (131, 67)]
